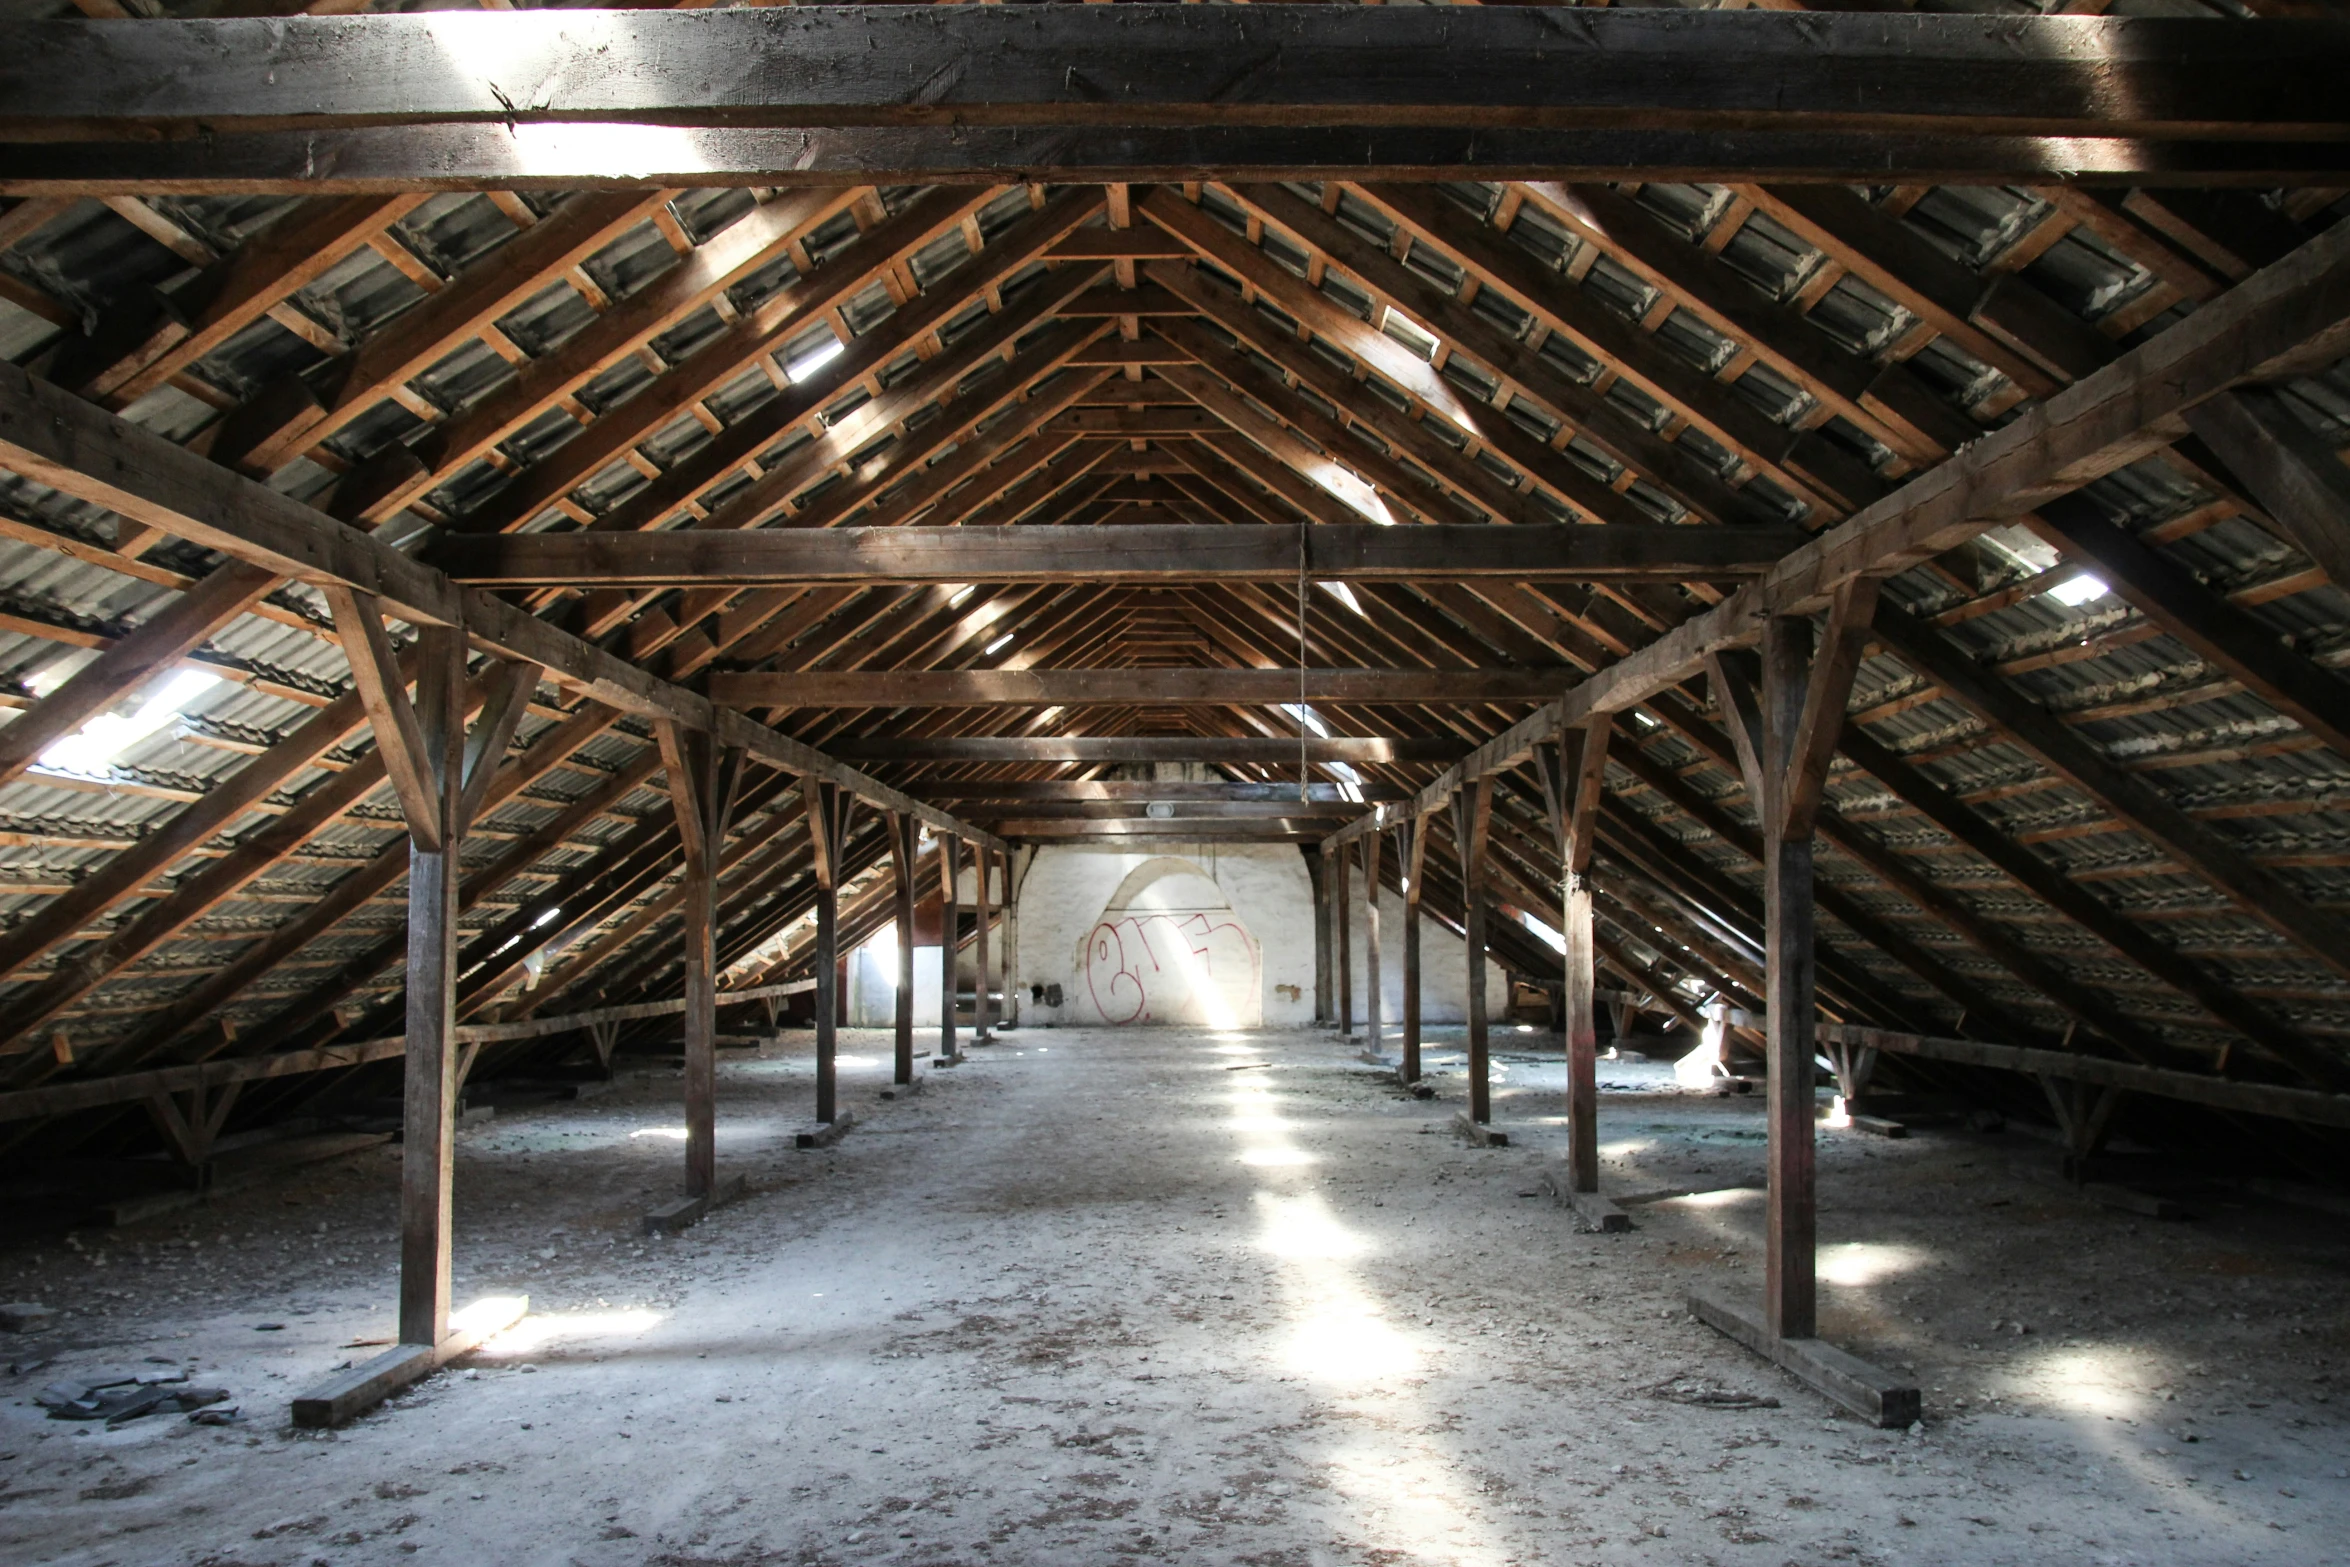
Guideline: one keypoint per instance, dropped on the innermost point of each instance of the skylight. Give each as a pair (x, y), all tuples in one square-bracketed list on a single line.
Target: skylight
[(1306, 716), (814, 360), (2076, 591), (98, 742), (1345, 595)]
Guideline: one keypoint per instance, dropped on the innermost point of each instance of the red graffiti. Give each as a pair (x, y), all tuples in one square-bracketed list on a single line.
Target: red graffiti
[(1122, 959)]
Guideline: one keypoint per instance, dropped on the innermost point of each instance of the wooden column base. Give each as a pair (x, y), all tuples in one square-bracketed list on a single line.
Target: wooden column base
[(1479, 1133), (1878, 1397), (824, 1133), (688, 1211), (1596, 1212), (347, 1395)]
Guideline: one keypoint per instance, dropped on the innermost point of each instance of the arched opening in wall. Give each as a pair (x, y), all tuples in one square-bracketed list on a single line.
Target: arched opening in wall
[(1168, 948)]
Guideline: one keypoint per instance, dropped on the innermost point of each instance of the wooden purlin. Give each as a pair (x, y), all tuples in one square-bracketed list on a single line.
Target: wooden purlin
[(737, 350), (71, 446), (1575, 408), (2294, 314)]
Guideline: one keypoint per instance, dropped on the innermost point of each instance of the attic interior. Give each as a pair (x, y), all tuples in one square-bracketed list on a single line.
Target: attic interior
[(805, 736)]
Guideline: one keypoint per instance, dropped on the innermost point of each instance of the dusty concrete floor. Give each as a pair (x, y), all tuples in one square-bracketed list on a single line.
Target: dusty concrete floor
[(1166, 1295)]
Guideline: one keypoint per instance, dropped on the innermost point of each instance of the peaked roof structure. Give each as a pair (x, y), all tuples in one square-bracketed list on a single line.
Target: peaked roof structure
[(2082, 439)]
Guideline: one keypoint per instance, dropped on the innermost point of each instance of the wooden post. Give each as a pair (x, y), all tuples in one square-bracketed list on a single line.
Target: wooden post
[(439, 779), (1372, 843), (692, 772), (984, 858), (1011, 943), (428, 1137), (1007, 959), (1415, 859), (1343, 972), (1318, 879), (1573, 772), (948, 845), (1472, 821), (1784, 712), (828, 811), (902, 828)]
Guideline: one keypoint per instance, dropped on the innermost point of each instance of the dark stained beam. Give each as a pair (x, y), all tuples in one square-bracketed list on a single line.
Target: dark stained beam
[(1223, 832), (2287, 468), (2292, 317), (2252, 887), (2165, 962), (475, 157), (1133, 553), (1130, 687), (828, 66), (975, 790), (56, 439), (2233, 639), (1170, 812), (1148, 748)]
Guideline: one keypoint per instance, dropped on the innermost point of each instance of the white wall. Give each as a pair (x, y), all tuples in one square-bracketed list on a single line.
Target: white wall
[(1444, 964), (873, 985), (1062, 895)]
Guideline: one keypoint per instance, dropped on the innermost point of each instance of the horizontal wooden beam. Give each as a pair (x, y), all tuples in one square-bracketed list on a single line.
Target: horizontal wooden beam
[(1134, 553), (53, 438), (1131, 687), (2308, 1105), (1293, 830), (822, 66), (467, 100), (391, 159), (2291, 317), (966, 792), (1164, 812), (204, 1076), (1148, 748)]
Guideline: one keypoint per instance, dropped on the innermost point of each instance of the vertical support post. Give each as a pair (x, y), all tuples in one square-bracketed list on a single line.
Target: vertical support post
[(948, 919), (902, 828), (1009, 1016), (1573, 773), (827, 812), (1011, 958), (1318, 878), (1343, 923), (1415, 859), (1472, 821), (700, 921), (984, 858), (1784, 713), (440, 779), (1791, 1286), (428, 1110), (693, 782), (1372, 844)]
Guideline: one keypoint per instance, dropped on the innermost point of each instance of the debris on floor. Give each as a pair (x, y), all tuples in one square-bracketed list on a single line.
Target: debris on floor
[(119, 1398), (25, 1316)]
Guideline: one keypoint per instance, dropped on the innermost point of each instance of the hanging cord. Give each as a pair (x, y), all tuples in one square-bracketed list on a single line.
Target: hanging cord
[(1301, 662)]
